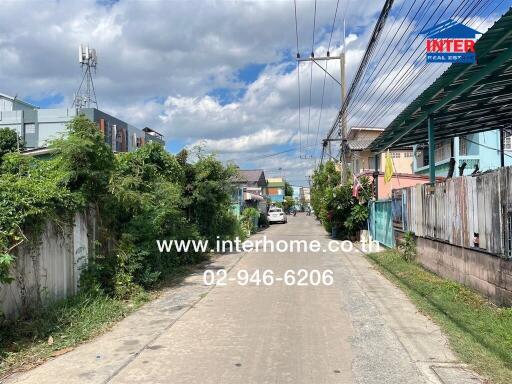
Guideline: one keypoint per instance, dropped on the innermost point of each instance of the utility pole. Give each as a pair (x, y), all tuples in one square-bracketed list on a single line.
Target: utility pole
[(343, 88), (343, 117)]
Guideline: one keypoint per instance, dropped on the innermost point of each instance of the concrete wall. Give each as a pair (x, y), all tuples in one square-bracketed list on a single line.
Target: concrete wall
[(487, 274), (49, 270)]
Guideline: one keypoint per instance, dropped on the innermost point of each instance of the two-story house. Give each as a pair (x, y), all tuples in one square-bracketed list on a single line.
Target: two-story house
[(251, 189), (475, 152), (362, 160)]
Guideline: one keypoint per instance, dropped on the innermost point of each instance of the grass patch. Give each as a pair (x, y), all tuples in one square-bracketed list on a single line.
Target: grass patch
[(56, 329), (479, 332), (25, 343)]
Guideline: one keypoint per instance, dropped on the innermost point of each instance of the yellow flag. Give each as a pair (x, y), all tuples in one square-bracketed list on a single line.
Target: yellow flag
[(388, 170)]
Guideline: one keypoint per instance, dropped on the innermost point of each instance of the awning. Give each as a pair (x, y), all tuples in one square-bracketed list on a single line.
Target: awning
[(252, 196), (465, 99)]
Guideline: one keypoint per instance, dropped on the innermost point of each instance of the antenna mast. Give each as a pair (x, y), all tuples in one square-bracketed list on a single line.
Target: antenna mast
[(85, 97)]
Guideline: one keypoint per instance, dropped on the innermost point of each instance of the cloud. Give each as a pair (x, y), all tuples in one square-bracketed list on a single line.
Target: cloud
[(249, 143), (161, 63)]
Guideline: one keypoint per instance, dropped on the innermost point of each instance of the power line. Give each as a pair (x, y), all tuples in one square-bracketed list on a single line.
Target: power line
[(393, 50), (394, 96), (378, 111), (396, 81), (367, 55), (485, 146), (325, 74), (365, 98), (311, 73), (298, 74)]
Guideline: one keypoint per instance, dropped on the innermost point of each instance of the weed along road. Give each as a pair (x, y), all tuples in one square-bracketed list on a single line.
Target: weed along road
[(348, 326)]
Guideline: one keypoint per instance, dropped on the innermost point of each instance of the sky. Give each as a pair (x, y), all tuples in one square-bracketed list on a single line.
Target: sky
[(220, 74)]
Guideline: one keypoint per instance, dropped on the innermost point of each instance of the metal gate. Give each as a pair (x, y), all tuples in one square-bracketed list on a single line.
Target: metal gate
[(381, 222)]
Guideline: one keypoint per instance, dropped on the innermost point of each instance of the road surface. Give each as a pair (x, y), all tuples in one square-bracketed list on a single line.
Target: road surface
[(360, 329)]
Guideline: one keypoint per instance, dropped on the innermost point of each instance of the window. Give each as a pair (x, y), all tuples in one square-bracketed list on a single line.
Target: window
[(395, 155), (463, 146), (408, 154), (356, 167), (30, 128), (425, 156), (507, 140), (371, 162)]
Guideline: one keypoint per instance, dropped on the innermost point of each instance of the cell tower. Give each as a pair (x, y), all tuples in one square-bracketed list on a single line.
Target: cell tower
[(85, 97)]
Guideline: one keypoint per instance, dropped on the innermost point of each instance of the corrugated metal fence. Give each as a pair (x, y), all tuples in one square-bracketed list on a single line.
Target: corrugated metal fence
[(50, 269), (466, 211)]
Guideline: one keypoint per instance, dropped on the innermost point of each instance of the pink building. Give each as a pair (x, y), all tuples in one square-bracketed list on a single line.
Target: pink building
[(399, 180)]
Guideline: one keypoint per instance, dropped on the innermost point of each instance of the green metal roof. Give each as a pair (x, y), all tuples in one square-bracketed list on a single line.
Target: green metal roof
[(464, 99), (275, 184)]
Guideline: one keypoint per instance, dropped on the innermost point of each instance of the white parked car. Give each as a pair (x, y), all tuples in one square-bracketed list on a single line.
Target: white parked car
[(276, 215)]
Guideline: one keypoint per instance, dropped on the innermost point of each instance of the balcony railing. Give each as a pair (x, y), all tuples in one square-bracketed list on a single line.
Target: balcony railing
[(443, 165)]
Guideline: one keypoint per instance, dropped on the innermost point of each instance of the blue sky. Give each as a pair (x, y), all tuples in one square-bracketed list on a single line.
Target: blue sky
[(221, 74)]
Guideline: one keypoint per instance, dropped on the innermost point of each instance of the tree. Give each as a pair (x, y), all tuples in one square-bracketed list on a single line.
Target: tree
[(288, 189), (85, 158), (288, 203), (10, 141), (335, 205)]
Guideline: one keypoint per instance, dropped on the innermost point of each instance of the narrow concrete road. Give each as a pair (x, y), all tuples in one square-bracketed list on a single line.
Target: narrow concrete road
[(361, 329)]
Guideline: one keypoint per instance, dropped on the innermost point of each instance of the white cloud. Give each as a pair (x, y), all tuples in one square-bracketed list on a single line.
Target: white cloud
[(160, 62)]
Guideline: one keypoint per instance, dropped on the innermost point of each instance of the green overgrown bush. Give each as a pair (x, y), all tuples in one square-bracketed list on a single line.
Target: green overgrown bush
[(249, 216), (140, 197), (407, 246), (334, 204)]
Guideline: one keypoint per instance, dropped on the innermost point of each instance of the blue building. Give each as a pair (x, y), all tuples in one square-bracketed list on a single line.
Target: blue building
[(479, 150), (276, 189), (37, 126)]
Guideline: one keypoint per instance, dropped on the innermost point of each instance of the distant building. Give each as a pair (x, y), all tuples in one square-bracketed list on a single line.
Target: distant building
[(37, 126), (152, 135), (276, 189), (361, 158), (251, 189), (305, 195)]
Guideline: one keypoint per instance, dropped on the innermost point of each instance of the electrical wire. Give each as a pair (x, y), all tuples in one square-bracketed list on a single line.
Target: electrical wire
[(373, 90), (367, 55), (378, 112), (298, 74), (311, 74), (374, 75), (395, 83), (325, 74)]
